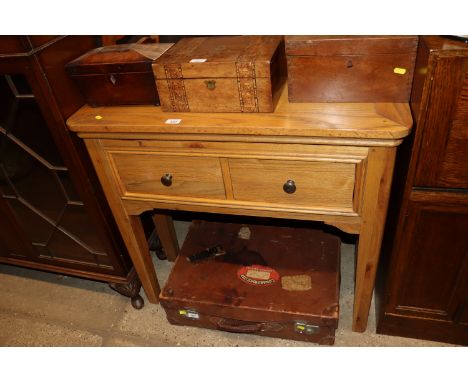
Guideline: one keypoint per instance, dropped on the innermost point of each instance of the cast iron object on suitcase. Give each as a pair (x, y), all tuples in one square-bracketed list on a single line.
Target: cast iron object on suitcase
[(222, 74), (294, 294), (118, 74), (350, 68)]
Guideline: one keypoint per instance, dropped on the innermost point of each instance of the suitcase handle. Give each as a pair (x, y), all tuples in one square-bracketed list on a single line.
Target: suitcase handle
[(239, 326)]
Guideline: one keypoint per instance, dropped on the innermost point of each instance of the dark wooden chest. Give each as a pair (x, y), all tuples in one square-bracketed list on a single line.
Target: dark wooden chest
[(118, 74), (350, 68), (222, 74), (272, 281)]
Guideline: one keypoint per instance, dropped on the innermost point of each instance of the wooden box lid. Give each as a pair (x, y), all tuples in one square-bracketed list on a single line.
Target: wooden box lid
[(122, 58), (349, 45), (216, 57)]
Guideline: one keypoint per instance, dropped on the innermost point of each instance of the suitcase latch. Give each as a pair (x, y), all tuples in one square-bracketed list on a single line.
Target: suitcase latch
[(189, 313), (305, 328)]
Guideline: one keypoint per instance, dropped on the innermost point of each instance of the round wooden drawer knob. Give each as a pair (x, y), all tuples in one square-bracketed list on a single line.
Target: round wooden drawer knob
[(166, 180), (289, 187)]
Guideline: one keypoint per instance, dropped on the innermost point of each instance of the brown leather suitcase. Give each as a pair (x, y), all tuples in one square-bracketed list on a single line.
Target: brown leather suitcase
[(222, 74), (118, 74), (350, 68), (272, 281)]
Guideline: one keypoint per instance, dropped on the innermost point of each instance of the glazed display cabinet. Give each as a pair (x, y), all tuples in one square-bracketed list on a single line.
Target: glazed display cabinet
[(53, 216)]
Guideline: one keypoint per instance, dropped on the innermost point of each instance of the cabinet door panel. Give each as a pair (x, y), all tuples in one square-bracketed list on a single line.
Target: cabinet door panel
[(13, 243), (443, 161), (435, 242), (35, 188), (464, 316)]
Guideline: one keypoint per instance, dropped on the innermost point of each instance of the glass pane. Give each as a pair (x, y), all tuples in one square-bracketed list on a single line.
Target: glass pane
[(42, 250), (68, 186), (5, 188), (30, 128), (38, 229), (34, 182), (76, 221), (7, 102), (23, 118), (63, 247), (21, 85), (104, 259)]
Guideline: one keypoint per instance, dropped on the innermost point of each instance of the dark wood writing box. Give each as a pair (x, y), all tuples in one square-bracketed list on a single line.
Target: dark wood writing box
[(118, 74), (291, 291), (350, 68), (222, 74)]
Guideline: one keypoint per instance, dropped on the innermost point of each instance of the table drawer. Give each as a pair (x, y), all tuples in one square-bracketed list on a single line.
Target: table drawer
[(141, 174), (315, 184)]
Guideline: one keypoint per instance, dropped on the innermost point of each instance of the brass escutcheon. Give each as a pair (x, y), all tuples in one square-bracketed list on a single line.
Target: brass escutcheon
[(210, 84)]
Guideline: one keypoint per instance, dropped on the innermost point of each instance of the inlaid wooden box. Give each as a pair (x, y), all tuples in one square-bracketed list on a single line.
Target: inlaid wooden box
[(276, 281), (118, 74), (221, 74), (350, 68)]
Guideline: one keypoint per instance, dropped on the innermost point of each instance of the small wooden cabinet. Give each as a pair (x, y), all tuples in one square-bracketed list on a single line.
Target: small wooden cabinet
[(424, 291)]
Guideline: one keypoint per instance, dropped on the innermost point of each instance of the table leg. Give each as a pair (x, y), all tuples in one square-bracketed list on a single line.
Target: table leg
[(167, 235), (130, 226), (375, 204)]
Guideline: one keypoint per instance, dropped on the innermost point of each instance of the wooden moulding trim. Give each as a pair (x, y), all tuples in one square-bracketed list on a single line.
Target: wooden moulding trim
[(360, 121), (227, 178), (347, 222), (33, 51), (359, 185), (303, 158), (113, 169), (442, 197), (233, 149), (382, 137), (416, 310), (244, 138), (396, 112), (352, 120), (432, 317), (348, 227), (68, 271), (130, 197)]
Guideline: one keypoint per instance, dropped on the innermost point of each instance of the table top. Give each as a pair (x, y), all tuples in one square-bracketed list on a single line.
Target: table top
[(390, 121)]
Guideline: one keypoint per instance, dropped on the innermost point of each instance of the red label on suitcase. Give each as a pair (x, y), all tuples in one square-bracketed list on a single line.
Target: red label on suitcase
[(258, 275)]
